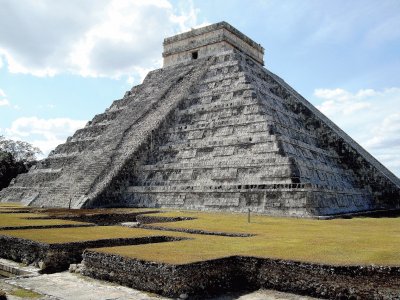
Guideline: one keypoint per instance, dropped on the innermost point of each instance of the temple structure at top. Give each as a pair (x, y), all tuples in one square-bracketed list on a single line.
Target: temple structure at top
[(207, 41)]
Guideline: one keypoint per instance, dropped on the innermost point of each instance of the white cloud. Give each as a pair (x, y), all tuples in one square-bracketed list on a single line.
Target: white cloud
[(43, 133), (4, 102), (91, 38), (339, 101), (370, 117)]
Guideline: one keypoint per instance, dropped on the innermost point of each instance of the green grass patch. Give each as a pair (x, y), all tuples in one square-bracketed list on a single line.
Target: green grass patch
[(80, 234), (10, 204), (358, 241), (340, 242), (25, 294), (23, 220)]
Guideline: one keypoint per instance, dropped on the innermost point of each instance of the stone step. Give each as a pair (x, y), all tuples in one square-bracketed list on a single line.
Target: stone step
[(74, 146), (273, 160), (256, 138), (92, 131)]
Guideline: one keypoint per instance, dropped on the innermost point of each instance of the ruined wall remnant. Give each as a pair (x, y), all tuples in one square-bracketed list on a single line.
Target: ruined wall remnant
[(211, 131)]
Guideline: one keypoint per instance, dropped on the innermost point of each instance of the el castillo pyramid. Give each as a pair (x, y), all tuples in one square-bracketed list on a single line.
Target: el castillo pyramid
[(212, 130)]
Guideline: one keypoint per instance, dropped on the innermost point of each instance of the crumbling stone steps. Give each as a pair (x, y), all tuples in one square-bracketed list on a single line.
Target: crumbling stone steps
[(210, 95), (218, 142), (225, 87), (225, 188), (291, 144), (31, 179), (106, 116), (92, 131), (37, 177), (217, 107), (193, 155), (231, 121), (222, 163), (74, 146), (56, 161), (121, 103)]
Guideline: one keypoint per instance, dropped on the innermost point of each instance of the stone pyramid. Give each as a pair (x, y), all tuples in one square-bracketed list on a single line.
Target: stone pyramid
[(212, 130)]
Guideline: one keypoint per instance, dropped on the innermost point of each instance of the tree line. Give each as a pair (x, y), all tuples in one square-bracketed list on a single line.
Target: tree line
[(16, 157)]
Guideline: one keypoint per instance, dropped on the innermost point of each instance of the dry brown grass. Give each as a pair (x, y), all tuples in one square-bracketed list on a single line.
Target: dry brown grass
[(356, 241), (79, 234), (23, 220), (341, 242)]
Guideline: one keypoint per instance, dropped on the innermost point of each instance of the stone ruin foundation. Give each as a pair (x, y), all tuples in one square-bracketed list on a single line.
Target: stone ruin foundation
[(213, 277)]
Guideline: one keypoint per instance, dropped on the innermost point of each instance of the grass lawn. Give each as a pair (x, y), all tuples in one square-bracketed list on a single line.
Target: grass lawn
[(20, 220), (79, 234), (10, 204), (355, 241), (341, 242)]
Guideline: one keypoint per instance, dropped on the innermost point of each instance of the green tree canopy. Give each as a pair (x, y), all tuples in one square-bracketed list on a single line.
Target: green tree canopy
[(21, 151), (16, 157)]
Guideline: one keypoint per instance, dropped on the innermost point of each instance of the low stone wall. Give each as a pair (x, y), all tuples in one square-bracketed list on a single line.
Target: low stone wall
[(323, 281), (199, 280), (57, 257), (203, 278), (196, 231), (105, 219), (146, 219)]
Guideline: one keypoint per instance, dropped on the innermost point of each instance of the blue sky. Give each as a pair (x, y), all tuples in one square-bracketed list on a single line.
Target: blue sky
[(62, 62)]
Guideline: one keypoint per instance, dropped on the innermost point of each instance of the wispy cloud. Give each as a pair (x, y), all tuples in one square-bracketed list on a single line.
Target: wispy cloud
[(340, 101), (369, 116), (3, 100), (43, 133)]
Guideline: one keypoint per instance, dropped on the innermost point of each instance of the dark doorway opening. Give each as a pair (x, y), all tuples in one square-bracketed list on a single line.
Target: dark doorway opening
[(195, 55)]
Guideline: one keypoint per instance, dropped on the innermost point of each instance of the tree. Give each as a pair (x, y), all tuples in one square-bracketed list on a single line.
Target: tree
[(9, 168), (21, 151), (16, 157)]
